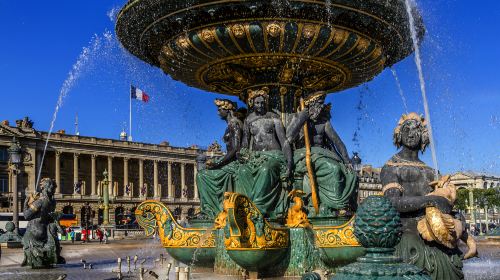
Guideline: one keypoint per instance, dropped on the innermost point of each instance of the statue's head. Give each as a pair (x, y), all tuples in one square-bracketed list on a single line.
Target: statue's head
[(411, 132), (48, 186), (224, 106), (258, 99), (316, 103)]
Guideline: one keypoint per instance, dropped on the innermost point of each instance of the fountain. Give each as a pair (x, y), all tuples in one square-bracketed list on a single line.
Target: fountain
[(282, 200)]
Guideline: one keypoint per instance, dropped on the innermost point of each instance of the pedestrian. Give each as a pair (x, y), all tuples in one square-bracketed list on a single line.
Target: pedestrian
[(72, 235), (99, 235), (105, 236)]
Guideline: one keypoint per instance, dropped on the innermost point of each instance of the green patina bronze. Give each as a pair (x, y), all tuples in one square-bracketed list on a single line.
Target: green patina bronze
[(11, 234), (337, 185), (273, 55), (378, 228), (303, 256), (232, 46), (223, 263), (214, 182), (260, 178), (40, 242)]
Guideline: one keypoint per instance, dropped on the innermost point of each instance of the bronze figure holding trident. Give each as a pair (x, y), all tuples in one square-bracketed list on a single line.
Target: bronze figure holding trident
[(330, 184)]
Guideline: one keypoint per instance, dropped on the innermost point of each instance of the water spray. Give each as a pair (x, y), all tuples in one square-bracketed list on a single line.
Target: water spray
[(418, 62), (73, 75)]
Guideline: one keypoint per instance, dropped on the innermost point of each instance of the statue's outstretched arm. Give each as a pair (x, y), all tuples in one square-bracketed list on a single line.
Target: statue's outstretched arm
[(296, 125), (232, 148), (285, 144), (338, 144)]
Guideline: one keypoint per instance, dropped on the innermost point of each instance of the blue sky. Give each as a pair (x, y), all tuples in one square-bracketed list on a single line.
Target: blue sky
[(42, 40)]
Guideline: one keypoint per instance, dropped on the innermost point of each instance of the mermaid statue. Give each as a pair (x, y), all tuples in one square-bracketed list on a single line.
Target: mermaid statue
[(407, 182), (219, 175), (40, 242), (336, 187), (265, 157)]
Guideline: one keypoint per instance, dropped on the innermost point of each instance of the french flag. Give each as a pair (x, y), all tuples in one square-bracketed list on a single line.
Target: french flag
[(138, 94)]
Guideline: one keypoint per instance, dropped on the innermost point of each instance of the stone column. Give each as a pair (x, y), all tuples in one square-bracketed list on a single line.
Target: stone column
[(141, 175), (75, 171), (195, 173), (171, 193), (93, 175), (111, 185), (125, 177), (155, 178), (58, 172), (183, 180)]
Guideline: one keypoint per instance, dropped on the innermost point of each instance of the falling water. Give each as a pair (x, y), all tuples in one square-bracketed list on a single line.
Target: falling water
[(400, 89), (68, 84), (418, 62), (328, 4)]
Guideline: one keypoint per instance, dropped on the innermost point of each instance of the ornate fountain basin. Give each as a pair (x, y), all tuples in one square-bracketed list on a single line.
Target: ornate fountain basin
[(250, 240), (337, 243), (188, 245), (232, 46)]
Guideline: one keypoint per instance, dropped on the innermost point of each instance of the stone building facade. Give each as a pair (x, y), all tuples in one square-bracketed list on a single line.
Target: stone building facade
[(369, 182), (137, 171), (474, 180)]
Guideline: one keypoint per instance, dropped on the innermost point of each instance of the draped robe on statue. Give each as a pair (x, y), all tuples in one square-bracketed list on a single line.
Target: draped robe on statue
[(259, 178), (212, 185), (336, 185)]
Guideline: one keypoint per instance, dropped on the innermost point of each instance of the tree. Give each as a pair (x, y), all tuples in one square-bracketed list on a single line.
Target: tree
[(462, 199)]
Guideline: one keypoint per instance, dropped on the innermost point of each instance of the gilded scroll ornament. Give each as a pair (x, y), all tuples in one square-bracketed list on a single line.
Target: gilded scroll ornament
[(246, 227), (154, 216), (336, 236)]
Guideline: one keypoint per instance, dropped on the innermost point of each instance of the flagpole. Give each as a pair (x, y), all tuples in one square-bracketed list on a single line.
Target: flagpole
[(130, 115)]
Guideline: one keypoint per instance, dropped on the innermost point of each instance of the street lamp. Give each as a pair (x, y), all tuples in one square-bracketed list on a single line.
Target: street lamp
[(105, 195), (15, 160), (356, 162)]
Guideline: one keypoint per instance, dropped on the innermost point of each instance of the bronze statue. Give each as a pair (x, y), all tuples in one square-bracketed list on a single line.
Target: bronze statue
[(336, 181), (218, 177), (266, 157), (40, 242), (406, 182)]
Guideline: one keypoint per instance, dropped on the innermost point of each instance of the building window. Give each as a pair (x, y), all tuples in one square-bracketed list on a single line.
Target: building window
[(4, 185), (4, 154)]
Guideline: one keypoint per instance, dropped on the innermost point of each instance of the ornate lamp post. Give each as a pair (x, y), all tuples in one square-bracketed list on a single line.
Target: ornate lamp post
[(14, 161), (472, 210), (356, 162), (105, 195)]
